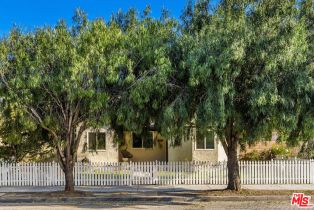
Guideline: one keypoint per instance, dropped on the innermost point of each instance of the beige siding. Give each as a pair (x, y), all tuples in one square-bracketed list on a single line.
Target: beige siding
[(185, 152), (180, 153), (111, 153), (204, 154), (158, 152), (217, 154)]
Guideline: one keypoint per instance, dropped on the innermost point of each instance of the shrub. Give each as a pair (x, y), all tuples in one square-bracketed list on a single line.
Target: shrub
[(307, 149), (278, 151), (254, 155)]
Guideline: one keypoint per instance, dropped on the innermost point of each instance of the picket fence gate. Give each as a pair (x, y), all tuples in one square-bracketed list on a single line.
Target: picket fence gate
[(158, 173)]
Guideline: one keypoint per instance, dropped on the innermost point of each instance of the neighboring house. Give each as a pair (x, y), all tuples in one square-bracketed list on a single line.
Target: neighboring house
[(98, 146)]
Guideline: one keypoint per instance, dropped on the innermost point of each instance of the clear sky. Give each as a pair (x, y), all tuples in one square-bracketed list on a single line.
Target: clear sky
[(29, 14)]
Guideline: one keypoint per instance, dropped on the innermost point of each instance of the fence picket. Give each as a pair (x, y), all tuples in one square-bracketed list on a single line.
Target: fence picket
[(309, 172)]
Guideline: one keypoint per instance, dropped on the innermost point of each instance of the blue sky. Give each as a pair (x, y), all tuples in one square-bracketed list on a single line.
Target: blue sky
[(29, 14)]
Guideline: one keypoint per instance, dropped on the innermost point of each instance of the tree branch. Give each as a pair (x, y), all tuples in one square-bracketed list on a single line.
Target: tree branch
[(33, 113), (78, 139), (58, 102)]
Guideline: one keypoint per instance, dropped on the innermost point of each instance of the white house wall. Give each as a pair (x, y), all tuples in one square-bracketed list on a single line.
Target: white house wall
[(221, 152)]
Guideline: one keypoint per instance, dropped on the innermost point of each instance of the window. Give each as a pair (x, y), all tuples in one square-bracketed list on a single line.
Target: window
[(188, 134), (144, 141), (96, 140), (206, 141), (148, 140), (137, 141)]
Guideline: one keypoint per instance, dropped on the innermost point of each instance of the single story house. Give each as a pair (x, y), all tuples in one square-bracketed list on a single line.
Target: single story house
[(99, 146)]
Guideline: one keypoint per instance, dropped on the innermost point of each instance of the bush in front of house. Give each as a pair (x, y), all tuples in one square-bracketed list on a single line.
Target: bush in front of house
[(276, 152), (279, 152), (254, 155), (307, 150)]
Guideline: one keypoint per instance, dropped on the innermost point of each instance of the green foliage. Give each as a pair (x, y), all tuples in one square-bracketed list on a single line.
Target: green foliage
[(62, 80), (254, 155), (195, 17), (19, 145), (307, 149), (149, 52), (22, 140), (238, 62), (276, 152), (242, 69), (280, 151), (303, 84), (246, 69)]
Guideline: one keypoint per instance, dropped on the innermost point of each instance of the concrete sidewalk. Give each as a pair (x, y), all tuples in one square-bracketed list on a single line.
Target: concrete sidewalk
[(154, 188)]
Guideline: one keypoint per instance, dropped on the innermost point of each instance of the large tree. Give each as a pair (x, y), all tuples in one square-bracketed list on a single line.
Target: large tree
[(303, 130), (63, 79), (240, 68), (149, 44)]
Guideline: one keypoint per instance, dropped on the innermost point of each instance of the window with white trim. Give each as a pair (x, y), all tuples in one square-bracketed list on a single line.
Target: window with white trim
[(143, 141), (205, 141), (96, 140)]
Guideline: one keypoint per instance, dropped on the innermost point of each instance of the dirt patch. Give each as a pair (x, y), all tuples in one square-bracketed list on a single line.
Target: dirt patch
[(257, 192), (241, 193), (66, 194), (59, 194)]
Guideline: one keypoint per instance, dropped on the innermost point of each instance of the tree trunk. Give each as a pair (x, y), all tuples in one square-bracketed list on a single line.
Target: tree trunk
[(67, 156), (234, 182), (68, 173), (68, 167)]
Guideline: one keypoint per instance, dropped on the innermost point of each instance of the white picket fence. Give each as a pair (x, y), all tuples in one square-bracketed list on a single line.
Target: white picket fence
[(159, 173)]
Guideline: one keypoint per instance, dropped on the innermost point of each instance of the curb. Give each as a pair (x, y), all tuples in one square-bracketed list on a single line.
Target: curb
[(143, 199)]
